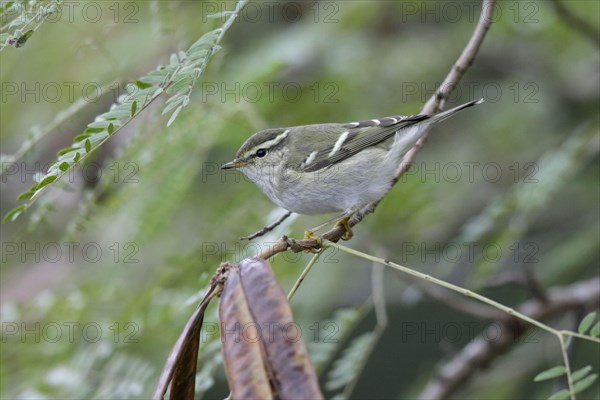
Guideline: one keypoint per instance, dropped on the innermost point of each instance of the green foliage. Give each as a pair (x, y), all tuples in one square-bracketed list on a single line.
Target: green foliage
[(584, 383), (581, 379), (551, 373), (323, 349), (586, 323), (506, 219), (20, 19), (178, 79), (347, 367), (560, 395), (595, 331), (119, 178)]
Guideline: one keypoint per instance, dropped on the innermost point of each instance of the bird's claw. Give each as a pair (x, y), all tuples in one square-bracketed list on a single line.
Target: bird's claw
[(343, 222)]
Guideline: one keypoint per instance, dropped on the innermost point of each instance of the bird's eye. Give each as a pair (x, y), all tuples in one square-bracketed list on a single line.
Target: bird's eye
[(261, 153)]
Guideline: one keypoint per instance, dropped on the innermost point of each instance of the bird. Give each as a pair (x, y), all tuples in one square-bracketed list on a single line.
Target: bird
[(332, 167)]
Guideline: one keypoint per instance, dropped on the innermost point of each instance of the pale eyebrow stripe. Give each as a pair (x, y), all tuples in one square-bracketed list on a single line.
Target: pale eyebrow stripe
[(272, 142), (280, 137)]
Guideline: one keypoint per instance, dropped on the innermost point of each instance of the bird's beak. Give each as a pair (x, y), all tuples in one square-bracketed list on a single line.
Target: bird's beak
[(234, 164)]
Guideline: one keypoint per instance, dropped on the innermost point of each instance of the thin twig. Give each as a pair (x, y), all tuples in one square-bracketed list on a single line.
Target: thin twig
[(460, 67), (184, 354), (465, 292), (565, 354), (531, 312), (305, 272), (456, 302), (58, 120), (268, 228), (462, 64), (39, 17), (481, 351)]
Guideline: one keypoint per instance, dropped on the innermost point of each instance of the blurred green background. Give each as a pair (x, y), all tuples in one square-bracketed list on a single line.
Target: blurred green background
[(99, 279)]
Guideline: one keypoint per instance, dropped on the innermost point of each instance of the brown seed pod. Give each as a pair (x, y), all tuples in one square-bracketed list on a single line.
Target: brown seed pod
[(269, 346), (244, 363)]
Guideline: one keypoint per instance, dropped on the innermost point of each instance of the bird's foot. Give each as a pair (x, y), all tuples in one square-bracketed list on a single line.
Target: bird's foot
[(344, 223)]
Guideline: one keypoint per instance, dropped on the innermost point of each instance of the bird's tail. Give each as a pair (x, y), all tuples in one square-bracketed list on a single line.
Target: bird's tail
[(406, 138), (448, 113)]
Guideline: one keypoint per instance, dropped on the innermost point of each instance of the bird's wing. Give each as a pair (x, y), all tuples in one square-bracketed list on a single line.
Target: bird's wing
[(357, 136)]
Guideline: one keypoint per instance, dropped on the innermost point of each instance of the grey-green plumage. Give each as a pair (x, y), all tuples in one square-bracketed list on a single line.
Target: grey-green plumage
[(320, 168)]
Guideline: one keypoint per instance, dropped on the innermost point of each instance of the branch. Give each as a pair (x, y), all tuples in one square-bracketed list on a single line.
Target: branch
[(456, 302), (23, 24), (38, 134), (480, 352), (180, 368), (268, 228), (435, 103), (176, 79)]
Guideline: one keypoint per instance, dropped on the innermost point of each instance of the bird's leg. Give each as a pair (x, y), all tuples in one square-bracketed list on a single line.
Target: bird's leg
[(268, 228), (340, 220), (310, 234), (344, 222)]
